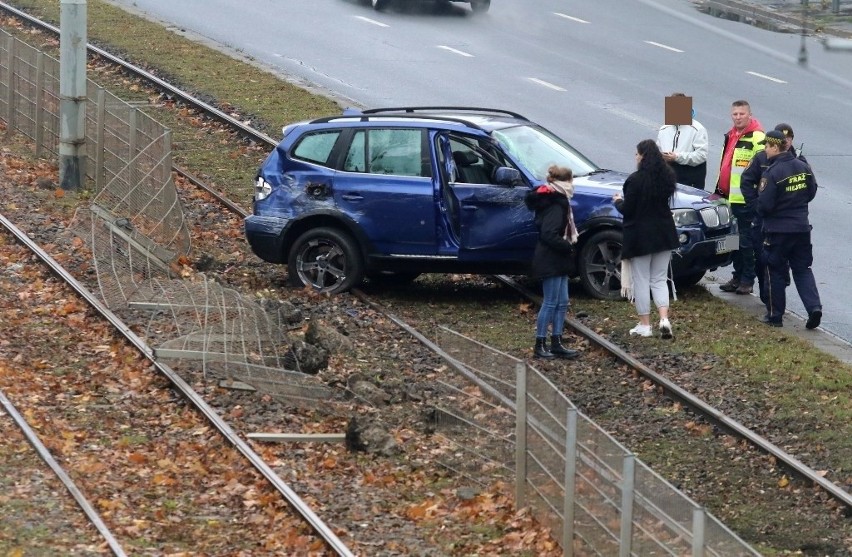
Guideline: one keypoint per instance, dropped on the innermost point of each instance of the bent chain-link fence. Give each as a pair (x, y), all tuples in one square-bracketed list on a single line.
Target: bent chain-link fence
[(508, 422), (135, 230)]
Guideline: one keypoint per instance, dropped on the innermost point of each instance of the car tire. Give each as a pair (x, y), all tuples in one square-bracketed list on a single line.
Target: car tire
[(380, 4), (327, 260), (600, 264), (480, 6), (685, 281)]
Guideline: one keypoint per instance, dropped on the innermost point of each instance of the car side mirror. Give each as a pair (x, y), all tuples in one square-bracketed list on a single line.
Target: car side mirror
[(505, 176)]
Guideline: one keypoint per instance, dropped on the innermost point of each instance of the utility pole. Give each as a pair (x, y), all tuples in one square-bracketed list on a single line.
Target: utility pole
[(803, 48), (72, 93)]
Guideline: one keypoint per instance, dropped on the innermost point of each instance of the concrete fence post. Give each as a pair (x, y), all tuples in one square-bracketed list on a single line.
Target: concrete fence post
[(100, 139), (520, 434), (699, 521), (11, 42), (570, 483), (627, 496)]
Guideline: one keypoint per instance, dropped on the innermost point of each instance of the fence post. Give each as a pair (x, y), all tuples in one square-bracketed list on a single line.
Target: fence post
[(520, 434), (39, 104), (699, 521), (570, 483), (100, 139), (10, 91), (627, 485), (167, 157), (132, 155)]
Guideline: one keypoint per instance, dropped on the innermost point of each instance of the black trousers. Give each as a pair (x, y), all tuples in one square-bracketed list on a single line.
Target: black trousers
[(795, 249)]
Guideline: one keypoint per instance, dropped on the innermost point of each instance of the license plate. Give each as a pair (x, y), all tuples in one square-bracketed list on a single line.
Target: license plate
[(728, 243)]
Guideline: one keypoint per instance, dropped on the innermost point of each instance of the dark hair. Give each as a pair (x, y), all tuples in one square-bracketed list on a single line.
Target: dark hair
[(660, 178)]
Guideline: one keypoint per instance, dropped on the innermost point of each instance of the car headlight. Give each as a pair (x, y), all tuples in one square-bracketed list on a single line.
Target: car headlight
[(685, 217), (262, 189)]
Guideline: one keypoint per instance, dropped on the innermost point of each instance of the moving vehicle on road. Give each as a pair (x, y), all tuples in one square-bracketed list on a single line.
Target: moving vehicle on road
[(478, 6), (391, 193)]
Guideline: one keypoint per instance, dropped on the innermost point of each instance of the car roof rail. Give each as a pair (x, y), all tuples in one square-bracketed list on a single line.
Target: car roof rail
[(399, 116), (413, 109)]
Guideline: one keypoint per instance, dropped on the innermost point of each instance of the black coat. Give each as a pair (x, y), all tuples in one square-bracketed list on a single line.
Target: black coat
[(648, 223), (553, 253), (785, 190)]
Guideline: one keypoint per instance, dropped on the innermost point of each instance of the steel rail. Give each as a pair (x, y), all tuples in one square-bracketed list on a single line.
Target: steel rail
[(45, 455), (187, 391), (679, 394)]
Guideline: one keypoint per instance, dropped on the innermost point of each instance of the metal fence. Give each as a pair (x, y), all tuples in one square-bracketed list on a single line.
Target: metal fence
[(136, 235), (509, 422)]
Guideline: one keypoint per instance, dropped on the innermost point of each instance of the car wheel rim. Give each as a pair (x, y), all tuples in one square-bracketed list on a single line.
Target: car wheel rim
[(321, 264), (603, 269)]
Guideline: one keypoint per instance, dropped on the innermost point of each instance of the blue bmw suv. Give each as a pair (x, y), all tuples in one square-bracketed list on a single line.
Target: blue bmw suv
[(390, 193)]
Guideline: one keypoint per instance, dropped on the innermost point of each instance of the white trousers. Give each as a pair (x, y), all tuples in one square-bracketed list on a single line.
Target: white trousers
[(649, 273)]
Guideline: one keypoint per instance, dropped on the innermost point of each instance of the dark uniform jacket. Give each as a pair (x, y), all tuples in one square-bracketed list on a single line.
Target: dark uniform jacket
[(787, 186), (648, 223), (750, 179), (553, 253)]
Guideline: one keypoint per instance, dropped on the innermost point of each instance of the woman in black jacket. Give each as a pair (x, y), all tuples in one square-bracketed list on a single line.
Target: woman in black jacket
[(552, 258), (649, 235)]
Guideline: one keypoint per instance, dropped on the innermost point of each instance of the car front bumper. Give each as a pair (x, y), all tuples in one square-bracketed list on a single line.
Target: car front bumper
[(265, 235)]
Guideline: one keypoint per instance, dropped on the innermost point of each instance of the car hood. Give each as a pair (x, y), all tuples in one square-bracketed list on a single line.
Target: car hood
[(604, 183)]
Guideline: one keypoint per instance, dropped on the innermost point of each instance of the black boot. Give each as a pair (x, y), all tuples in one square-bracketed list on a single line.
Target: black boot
[(541, 350), (560, 351)]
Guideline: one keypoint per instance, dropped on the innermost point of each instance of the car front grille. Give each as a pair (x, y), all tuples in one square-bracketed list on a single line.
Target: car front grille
[(716, 216)]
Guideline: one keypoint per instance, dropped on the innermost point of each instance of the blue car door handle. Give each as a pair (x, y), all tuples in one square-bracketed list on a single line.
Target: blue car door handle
[(352, 196), (470, 207)]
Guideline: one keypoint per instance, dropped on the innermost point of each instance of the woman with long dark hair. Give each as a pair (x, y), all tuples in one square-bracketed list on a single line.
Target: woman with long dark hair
[(649, 236), (552, 258)]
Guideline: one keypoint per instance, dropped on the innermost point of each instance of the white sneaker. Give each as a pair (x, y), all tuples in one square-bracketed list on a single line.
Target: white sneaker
[(665, 328), (641, 330)]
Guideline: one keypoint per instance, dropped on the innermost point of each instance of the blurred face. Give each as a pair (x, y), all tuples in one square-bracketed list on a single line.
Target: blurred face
[(788, 140), (741, 116)]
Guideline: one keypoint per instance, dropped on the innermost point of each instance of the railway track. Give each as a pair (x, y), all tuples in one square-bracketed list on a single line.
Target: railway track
[(113, 408), (604, 352)]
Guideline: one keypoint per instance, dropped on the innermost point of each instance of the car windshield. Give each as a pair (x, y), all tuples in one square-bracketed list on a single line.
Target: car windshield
[(536, 149)]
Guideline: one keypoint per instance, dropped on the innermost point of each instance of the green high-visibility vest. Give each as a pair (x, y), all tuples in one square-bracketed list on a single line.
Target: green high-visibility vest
[(744, 151)]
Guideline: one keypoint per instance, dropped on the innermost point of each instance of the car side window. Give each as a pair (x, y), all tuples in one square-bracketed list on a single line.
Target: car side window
[(471, 167), (388, 151), (316, 147), (356, 157)]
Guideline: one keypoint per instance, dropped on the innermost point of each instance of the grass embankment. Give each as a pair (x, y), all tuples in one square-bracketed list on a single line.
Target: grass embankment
[(802, 385)]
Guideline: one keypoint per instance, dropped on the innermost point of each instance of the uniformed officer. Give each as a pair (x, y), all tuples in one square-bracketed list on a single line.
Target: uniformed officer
[(749, 182), (786, 189)]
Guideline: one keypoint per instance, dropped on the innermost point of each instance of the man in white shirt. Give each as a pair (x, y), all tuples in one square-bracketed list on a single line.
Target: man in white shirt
[(684, 147)]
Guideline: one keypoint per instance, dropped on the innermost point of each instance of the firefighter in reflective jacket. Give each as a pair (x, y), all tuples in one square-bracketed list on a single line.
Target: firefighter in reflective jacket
[(785, 190)]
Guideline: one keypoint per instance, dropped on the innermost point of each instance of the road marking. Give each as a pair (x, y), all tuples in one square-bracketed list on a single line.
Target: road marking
[(546, 84), (455, 51), (775, 79), (566, 16), (373, 21), (626, 114), (673, 49)]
